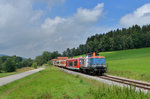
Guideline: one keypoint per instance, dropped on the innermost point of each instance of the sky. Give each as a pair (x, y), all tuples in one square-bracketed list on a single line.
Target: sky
[(29, 27)]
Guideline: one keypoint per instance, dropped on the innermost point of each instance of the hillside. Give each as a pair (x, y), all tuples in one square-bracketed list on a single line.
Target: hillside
[(133, 63)]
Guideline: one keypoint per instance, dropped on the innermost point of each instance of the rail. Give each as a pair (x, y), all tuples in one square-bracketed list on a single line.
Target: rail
[(135, 83)]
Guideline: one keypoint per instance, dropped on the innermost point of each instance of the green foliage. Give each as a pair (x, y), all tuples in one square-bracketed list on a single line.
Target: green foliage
[(39, 60), (120, 39), (1, 65), (46, 56), (9, 65), (34, 65), (49, 63), (25, 63)]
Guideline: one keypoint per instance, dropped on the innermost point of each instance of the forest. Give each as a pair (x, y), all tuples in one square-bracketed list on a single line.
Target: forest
[(120, 39)]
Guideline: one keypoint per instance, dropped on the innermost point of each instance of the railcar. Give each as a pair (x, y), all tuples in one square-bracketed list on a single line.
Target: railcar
[(54, 61), (74, 63), (60, 61)]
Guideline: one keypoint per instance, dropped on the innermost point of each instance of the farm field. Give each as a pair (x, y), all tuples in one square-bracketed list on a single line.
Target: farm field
[(16, 72), (53, 83), (133, 63)]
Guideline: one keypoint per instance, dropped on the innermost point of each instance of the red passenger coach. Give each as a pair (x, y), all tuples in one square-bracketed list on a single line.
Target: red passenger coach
[(60, 61), (54, 61), (74, 63)]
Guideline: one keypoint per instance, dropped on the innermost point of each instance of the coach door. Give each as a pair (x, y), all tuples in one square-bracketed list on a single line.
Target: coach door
[(75, 64)]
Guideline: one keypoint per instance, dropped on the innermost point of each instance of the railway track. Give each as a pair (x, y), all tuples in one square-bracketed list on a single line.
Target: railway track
[(121, 80), (134, 83)]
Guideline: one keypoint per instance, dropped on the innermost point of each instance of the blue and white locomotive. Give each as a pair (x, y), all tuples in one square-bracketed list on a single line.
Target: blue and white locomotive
[(94, 64)]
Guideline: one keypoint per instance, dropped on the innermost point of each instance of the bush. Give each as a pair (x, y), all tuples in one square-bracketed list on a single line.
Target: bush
[(9, 65), (49, 63), (34, 65)]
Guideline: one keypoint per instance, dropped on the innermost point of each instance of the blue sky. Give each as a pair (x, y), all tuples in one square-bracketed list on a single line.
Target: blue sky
[(114, 10), (29, 27)]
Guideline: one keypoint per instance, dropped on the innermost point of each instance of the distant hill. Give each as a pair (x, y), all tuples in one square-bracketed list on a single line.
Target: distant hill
[(18, 56), (3, 55)]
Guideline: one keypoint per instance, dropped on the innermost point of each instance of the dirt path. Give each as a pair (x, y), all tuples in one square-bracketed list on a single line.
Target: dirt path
[(11, 78)]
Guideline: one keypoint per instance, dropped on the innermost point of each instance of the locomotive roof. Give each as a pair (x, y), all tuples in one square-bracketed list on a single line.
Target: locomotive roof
[(75, 58), (62, 57), (92, 53)]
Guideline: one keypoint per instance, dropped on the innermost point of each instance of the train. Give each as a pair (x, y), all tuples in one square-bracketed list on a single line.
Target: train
[(92, 64)]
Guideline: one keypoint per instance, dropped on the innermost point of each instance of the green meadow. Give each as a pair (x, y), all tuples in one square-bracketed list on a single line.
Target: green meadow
[(134, 63), (52, 83)]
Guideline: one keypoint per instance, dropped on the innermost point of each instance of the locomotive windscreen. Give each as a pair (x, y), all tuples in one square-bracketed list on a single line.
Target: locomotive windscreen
[(97, 62)]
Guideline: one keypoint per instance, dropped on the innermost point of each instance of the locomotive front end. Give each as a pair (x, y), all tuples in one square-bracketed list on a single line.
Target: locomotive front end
[(95, 64)]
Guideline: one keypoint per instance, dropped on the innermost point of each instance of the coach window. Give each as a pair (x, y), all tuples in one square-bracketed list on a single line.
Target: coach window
[(82, 61), (75, 63), (57, 62), (71, 64), (67, 63)]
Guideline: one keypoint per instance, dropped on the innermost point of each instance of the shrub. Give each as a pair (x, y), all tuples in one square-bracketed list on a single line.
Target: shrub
[(34, 65), (9, 65), (49, 63)]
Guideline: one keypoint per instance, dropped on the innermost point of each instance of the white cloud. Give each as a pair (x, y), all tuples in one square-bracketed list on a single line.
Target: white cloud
[(87, 15), (71, 31), (22, 32), (140, 16)]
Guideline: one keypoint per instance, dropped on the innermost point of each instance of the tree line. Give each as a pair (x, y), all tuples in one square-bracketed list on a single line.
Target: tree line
[(120, 39), (11, 63), (46, 57)]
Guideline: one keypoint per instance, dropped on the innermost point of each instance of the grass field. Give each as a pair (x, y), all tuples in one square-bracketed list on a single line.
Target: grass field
[(55, 84), (134, 63), (16, 72)]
